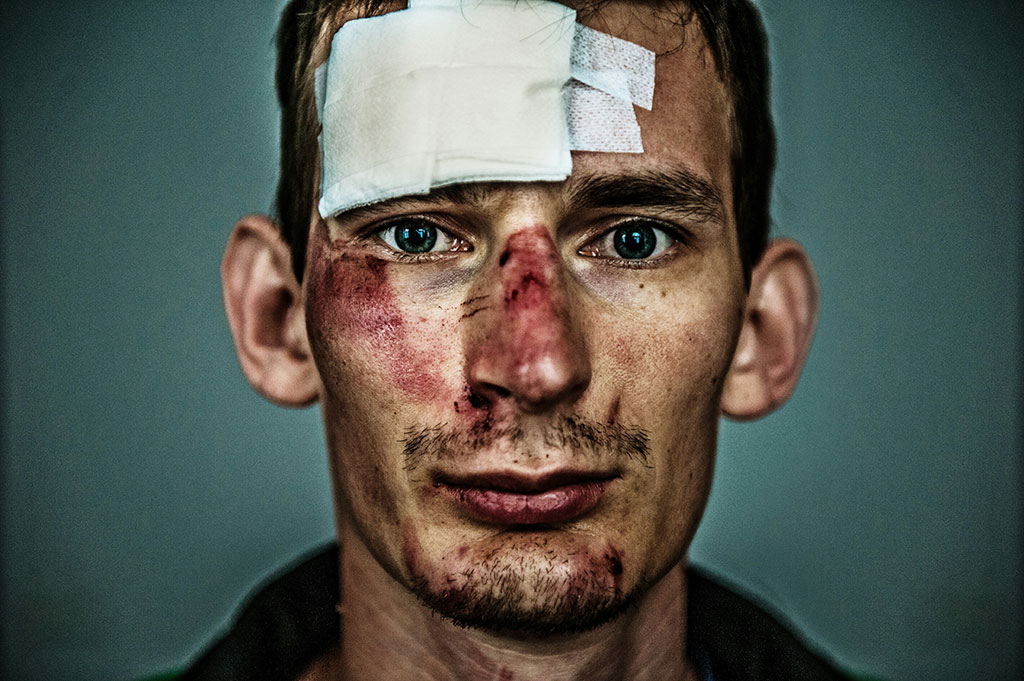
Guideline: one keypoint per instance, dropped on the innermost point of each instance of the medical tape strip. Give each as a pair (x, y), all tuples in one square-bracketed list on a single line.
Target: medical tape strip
[(471, 91), (610, 75)]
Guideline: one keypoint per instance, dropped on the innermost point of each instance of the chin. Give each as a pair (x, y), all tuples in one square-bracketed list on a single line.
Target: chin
[(474, 606), (527, 584)]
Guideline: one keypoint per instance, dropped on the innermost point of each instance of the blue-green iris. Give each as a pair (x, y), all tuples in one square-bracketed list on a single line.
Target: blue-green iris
[(635, 241), (417, 237)]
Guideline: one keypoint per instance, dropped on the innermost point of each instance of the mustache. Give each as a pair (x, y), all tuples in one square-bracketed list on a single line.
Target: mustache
[(583, 436)]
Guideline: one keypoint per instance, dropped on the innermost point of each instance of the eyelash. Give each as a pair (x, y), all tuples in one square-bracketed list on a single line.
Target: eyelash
[(374, 233), (678, 236)]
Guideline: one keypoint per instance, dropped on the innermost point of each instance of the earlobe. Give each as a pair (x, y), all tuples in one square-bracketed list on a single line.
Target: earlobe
[(778, 327), (264, 307)]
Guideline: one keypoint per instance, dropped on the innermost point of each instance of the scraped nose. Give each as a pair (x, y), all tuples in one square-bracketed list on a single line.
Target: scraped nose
[(528, 347)]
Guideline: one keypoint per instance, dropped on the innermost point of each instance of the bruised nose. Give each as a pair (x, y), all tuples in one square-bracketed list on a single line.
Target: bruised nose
[(526, 346)]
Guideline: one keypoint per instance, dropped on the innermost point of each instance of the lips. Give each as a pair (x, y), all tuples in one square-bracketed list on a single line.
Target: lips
[(510, 499)]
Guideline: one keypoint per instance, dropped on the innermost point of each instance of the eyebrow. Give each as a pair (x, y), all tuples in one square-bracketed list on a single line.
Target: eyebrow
[(678, 190), (463, 193)]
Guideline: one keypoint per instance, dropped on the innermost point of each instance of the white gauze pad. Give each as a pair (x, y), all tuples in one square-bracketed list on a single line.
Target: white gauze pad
[(452, 91)]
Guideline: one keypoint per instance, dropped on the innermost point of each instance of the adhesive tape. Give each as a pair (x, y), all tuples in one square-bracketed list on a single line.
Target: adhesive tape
[(451, 91)]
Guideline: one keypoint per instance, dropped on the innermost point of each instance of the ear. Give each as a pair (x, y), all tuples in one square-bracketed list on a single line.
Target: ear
[(778, 327), (265, 312)]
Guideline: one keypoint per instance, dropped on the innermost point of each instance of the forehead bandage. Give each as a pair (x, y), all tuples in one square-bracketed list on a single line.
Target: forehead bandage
[(451, 91)]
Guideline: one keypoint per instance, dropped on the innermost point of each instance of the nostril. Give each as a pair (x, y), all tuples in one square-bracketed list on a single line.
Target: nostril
[(500, 391), (481, 395)]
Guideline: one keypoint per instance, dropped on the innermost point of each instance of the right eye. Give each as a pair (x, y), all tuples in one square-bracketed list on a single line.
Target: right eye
[(417, 236)]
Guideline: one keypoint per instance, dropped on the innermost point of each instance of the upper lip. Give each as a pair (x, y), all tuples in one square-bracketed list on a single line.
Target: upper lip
[(520, 483)]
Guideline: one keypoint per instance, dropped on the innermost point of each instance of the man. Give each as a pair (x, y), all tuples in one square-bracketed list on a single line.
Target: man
[(521, 380)]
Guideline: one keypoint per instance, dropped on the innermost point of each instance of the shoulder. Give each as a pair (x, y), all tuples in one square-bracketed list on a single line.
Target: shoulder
[(740, 639), (291, 620), (287, 623)]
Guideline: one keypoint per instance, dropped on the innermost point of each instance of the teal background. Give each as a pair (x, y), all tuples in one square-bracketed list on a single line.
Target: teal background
[(145, 487)]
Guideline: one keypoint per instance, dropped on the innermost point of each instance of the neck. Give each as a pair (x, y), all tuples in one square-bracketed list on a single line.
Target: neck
[(388, 634)]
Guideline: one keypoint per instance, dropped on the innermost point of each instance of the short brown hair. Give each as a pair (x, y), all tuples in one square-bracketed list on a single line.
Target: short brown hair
[(734, 34)]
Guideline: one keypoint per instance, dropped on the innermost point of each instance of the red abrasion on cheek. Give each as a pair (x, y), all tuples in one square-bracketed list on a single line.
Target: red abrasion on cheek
[(354, 305)]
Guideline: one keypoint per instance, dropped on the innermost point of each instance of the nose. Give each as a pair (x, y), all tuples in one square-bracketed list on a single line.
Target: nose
[(525, 346)]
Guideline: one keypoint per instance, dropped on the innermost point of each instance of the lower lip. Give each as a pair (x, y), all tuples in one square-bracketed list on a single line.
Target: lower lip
[(555, 505)]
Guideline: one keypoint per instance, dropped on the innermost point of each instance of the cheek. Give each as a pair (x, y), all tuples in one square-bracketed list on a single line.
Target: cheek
[(665, 373), (378, 493), (679, 361), (359, 330)]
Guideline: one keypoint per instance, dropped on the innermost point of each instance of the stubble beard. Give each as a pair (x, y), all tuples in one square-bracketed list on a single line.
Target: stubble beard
[(540, 582), (527, 593)]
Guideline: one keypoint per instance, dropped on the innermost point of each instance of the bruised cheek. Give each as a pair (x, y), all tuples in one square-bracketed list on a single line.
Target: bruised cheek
[(356, 320)]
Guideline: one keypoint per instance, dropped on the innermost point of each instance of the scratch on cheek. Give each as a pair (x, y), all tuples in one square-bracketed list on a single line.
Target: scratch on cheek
[(474, 299), (473, 312), (476, 306)]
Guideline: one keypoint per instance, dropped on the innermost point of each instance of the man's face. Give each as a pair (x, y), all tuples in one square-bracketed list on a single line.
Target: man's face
[(521, 382)]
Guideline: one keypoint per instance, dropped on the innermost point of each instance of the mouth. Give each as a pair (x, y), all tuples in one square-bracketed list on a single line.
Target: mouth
[(514, 499)]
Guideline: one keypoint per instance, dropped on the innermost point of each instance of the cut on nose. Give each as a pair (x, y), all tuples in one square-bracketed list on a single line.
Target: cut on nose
[(527, 347)]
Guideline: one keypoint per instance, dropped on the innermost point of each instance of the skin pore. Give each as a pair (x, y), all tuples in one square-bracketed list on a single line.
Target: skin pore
[(521, 417)]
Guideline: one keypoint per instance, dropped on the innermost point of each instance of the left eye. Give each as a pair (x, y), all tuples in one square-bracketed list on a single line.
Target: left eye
[(416, 236), (634, 240)]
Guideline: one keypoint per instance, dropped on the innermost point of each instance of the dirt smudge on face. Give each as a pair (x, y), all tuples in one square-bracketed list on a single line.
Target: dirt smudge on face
[(377, 492), (481, 413), (613, 412), (597, 569), (412, 552), (610, 565)]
